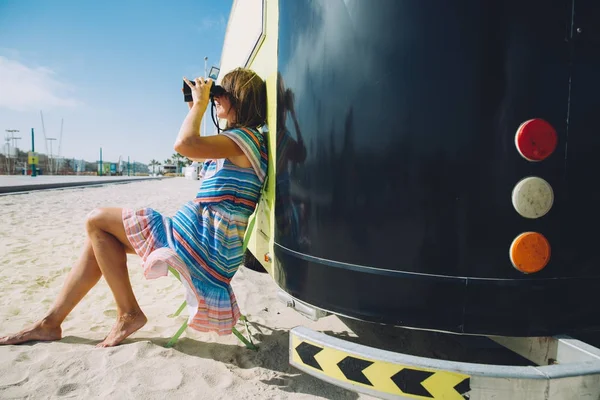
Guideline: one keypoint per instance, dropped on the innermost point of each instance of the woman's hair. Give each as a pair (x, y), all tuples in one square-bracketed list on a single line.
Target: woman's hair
[(247, 93)]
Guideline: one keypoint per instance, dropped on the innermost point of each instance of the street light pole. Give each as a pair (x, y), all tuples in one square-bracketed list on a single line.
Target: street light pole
[(204, 117), (13, 138), (51, 166), (33, 157)]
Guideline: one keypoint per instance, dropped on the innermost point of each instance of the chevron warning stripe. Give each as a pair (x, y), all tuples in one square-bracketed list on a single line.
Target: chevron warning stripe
[(381, 376)]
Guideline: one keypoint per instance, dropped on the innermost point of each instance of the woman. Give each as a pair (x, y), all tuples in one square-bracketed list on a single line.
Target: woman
[(203, 241)]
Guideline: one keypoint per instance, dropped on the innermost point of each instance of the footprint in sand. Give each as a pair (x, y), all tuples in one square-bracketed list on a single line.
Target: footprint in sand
[(14, 311), (218, 379), (97, 328), (41, 281), (22, 357), (111, 313), (224, 382), (11, 380), (67, 389)]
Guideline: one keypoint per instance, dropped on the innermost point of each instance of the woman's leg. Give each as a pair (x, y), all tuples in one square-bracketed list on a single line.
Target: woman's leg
[(109, 241), (105, 229), (82, 277)]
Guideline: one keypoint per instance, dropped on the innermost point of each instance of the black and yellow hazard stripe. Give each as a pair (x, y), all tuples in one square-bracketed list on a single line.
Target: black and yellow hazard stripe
[(380, 376)]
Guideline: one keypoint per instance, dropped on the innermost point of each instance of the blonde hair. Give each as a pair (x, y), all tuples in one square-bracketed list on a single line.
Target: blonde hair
[(247, 93)]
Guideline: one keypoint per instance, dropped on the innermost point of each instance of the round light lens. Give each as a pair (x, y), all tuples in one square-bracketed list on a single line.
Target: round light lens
[(536, 139), (530, 252), (532, 197)]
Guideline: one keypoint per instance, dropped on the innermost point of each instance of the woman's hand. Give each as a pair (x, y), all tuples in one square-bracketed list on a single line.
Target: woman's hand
[(200, 91), (190, 129)]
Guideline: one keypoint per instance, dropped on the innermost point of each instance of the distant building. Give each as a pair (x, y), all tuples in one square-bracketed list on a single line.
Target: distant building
[(168, 169)]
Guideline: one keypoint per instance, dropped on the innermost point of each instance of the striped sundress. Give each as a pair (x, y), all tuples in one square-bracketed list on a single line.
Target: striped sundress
[(203, 240)]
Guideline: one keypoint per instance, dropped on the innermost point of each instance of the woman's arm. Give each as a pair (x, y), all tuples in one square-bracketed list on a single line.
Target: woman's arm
[(189, 143), (209, 147)]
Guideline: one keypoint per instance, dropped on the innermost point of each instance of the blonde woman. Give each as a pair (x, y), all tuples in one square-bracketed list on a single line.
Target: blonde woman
[(202, 241)]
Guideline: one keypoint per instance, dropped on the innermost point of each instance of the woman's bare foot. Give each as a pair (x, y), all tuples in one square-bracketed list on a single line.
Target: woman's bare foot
[(125, 326), (40, 331)]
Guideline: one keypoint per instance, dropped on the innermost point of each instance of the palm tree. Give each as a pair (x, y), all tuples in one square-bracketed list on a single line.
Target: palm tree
[(177, 158), (153, 163)]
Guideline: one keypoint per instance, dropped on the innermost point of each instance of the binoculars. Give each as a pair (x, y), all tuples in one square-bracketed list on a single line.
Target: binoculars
[(215, 90)]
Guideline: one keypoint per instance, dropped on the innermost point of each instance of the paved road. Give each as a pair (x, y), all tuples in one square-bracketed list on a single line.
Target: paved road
[(21, 183)]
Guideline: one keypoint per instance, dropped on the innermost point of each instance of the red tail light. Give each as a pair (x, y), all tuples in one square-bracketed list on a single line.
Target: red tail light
[(536, 139)]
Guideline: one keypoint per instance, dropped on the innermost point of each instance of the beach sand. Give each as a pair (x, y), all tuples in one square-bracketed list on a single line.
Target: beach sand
[(41, 234)]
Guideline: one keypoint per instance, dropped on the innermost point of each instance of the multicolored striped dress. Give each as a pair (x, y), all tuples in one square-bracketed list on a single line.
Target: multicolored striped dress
[(203, 240)]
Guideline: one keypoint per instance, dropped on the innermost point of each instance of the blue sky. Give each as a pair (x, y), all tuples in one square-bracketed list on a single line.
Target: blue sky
[(111, 69)]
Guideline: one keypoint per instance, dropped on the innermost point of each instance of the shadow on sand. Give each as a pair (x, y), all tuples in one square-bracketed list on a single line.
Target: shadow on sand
[(273, 355)]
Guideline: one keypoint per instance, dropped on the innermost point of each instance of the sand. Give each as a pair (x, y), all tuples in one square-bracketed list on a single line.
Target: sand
[(41, 234)]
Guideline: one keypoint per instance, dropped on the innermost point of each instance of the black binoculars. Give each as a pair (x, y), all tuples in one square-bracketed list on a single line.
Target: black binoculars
[(215, 90)]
